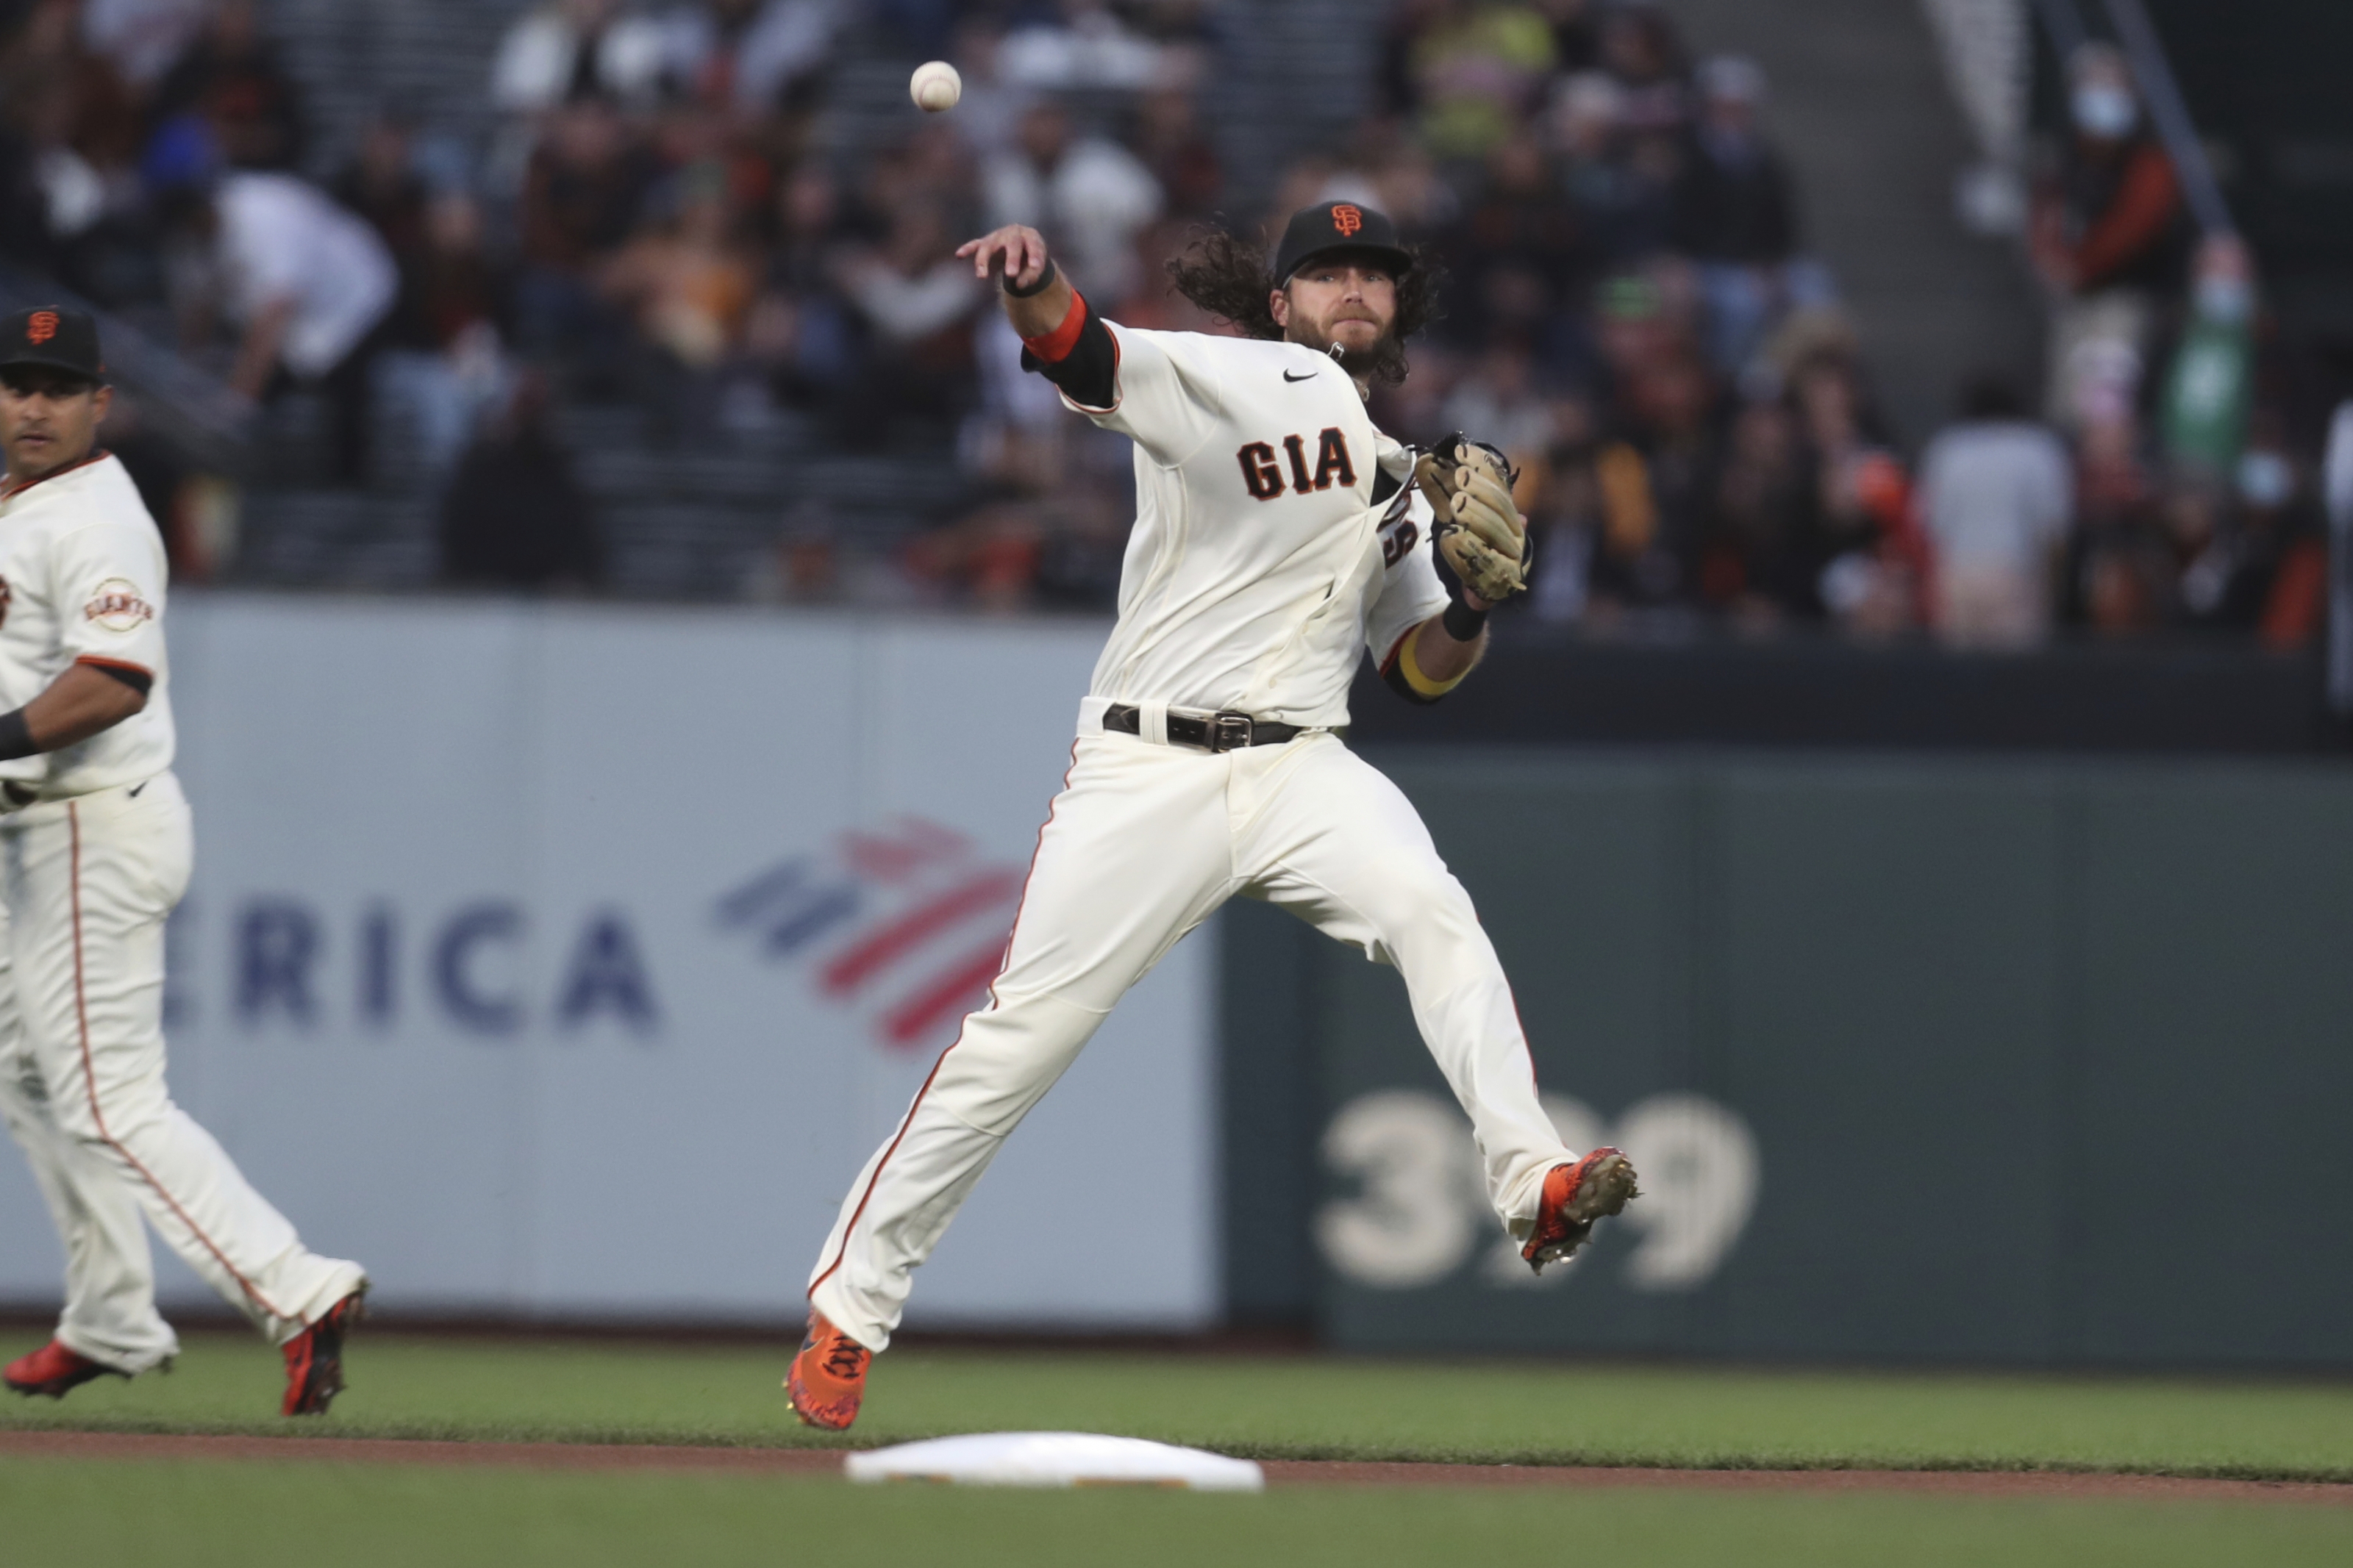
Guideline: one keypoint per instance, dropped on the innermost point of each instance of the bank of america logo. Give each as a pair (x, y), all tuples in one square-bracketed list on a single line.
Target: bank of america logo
[(906, 923)]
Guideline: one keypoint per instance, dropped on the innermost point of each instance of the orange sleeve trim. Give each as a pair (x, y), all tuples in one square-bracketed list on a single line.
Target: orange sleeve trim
[(1054, 347), (116, 664)]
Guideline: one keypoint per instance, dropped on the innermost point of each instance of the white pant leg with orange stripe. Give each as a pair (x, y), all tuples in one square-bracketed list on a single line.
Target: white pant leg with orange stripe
[(110, 1314), (1144, 843), (87, 883)]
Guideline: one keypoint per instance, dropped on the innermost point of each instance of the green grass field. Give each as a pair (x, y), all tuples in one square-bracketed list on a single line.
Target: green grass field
[(201, 1512)]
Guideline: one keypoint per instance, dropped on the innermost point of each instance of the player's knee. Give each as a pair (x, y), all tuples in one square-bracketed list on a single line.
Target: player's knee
[(1414, 893)]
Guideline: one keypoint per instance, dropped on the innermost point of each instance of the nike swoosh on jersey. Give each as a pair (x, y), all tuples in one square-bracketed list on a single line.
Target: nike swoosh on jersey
[(1309, 377)]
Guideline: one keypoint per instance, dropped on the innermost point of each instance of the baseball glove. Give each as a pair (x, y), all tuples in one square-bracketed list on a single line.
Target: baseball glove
[(1477, 526)]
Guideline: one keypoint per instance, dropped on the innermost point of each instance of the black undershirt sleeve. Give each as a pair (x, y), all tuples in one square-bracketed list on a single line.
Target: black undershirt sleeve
[(1089, 373), (139, 680)]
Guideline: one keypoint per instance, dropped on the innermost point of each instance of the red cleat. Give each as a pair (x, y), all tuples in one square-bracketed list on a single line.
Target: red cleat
[(315, 1359), (53, 1370), (1574, 1197), (829, 1377)]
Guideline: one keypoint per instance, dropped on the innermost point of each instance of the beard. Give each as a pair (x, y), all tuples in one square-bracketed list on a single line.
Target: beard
[(1384, 361)]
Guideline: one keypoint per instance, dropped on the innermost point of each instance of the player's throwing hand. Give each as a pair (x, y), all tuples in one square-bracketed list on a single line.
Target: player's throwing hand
[(1017, 252)]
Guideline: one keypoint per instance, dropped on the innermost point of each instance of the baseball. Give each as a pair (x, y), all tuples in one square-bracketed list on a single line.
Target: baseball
[(935, 87)]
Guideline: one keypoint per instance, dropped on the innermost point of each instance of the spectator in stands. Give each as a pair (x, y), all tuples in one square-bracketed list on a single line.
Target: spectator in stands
[(688, 284), (1873, 558), (1518, 255), (1623, 203), (74, 196), (2108, 235), (1640, 47), (309, 284), (801, 331), (1476, 67), (2120, 572), (515, 517), (569, 49), (1734, 213), (142, 40), (588, 179), (1086, 46), (1090, 194), (444, 357), (753, 56), (1997, 493), (1498, 402), (384, 186), (1576, 33), (1174, 147), (916, 299), (233, 78), (1759, 562)]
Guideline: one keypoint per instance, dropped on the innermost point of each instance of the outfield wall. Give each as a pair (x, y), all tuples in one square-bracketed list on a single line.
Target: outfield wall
[(569, 962), (1942, 1060)]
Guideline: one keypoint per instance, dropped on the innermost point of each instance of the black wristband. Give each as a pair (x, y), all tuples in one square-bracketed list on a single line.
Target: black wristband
[(1045, 282), (15, 737), (1461, 622)]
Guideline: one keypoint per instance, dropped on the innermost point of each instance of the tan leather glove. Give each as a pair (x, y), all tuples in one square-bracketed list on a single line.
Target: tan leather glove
[(1477, 526)]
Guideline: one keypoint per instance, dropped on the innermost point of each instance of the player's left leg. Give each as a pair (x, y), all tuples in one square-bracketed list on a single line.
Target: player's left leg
[(110, 1322), (1337, 844), (89, 883)]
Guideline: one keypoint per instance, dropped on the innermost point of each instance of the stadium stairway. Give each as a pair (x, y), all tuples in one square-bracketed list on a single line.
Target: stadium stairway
[(1860, 106)]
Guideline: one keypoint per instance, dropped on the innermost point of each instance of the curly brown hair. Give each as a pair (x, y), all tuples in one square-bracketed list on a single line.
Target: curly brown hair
[(1231, 277)]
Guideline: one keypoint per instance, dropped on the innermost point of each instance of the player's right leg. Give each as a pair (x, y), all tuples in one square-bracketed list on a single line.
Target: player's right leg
[(1134, 854), (110, 1324), (1339, 844), (89, 883)]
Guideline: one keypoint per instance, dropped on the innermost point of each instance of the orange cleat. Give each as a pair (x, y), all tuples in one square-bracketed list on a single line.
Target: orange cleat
[(1574, 1197), (53, 1370), (315, 1359), (829, 1377)]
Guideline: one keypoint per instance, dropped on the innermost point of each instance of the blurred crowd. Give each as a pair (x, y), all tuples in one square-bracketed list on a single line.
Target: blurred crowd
[(1633, 313)]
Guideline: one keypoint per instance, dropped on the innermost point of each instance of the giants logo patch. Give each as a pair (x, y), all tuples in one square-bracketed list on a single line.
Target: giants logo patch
[(41, 327), (1348, 219), (118, 606)]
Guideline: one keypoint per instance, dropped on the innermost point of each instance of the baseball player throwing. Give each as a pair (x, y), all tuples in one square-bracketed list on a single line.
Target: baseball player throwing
[(1277, 533), (94, 852)]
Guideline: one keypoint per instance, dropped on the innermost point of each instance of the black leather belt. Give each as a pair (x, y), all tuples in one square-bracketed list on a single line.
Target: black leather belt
[(1210, 731), (19, 795)]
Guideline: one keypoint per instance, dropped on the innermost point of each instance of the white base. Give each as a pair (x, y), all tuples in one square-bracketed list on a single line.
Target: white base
[(1055, 1459)]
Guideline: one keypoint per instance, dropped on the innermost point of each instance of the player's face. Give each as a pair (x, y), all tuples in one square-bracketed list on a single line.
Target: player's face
[(48, 419), (1352, 304)]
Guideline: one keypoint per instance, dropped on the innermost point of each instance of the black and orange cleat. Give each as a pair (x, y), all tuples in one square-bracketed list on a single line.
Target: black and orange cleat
[(829, 1377), (314, 1358), (54, 1370), (1574, 1197)]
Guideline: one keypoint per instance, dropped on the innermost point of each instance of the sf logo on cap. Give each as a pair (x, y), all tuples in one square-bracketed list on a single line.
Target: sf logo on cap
[(41, 327), (1348, 219)]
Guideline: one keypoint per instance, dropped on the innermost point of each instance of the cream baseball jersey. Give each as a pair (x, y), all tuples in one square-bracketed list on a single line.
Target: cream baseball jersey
[(83, 582), (1260, 563)]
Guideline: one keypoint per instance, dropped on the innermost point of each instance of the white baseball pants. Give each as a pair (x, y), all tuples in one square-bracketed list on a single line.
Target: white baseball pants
[(87, 884), (1143, 844)]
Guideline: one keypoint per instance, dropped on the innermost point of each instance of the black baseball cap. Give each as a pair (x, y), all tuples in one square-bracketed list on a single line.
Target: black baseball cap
[(1337, 225), (58, 339)]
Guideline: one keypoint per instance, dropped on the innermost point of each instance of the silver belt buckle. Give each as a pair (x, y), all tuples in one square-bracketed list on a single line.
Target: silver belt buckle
[(1229, 731)]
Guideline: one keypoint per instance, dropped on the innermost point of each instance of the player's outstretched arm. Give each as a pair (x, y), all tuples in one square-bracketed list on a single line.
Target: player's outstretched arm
[(1037, 296), (1061, 339)]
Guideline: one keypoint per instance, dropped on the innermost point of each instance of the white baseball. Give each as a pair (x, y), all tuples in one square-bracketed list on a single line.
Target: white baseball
[(935, 87)]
